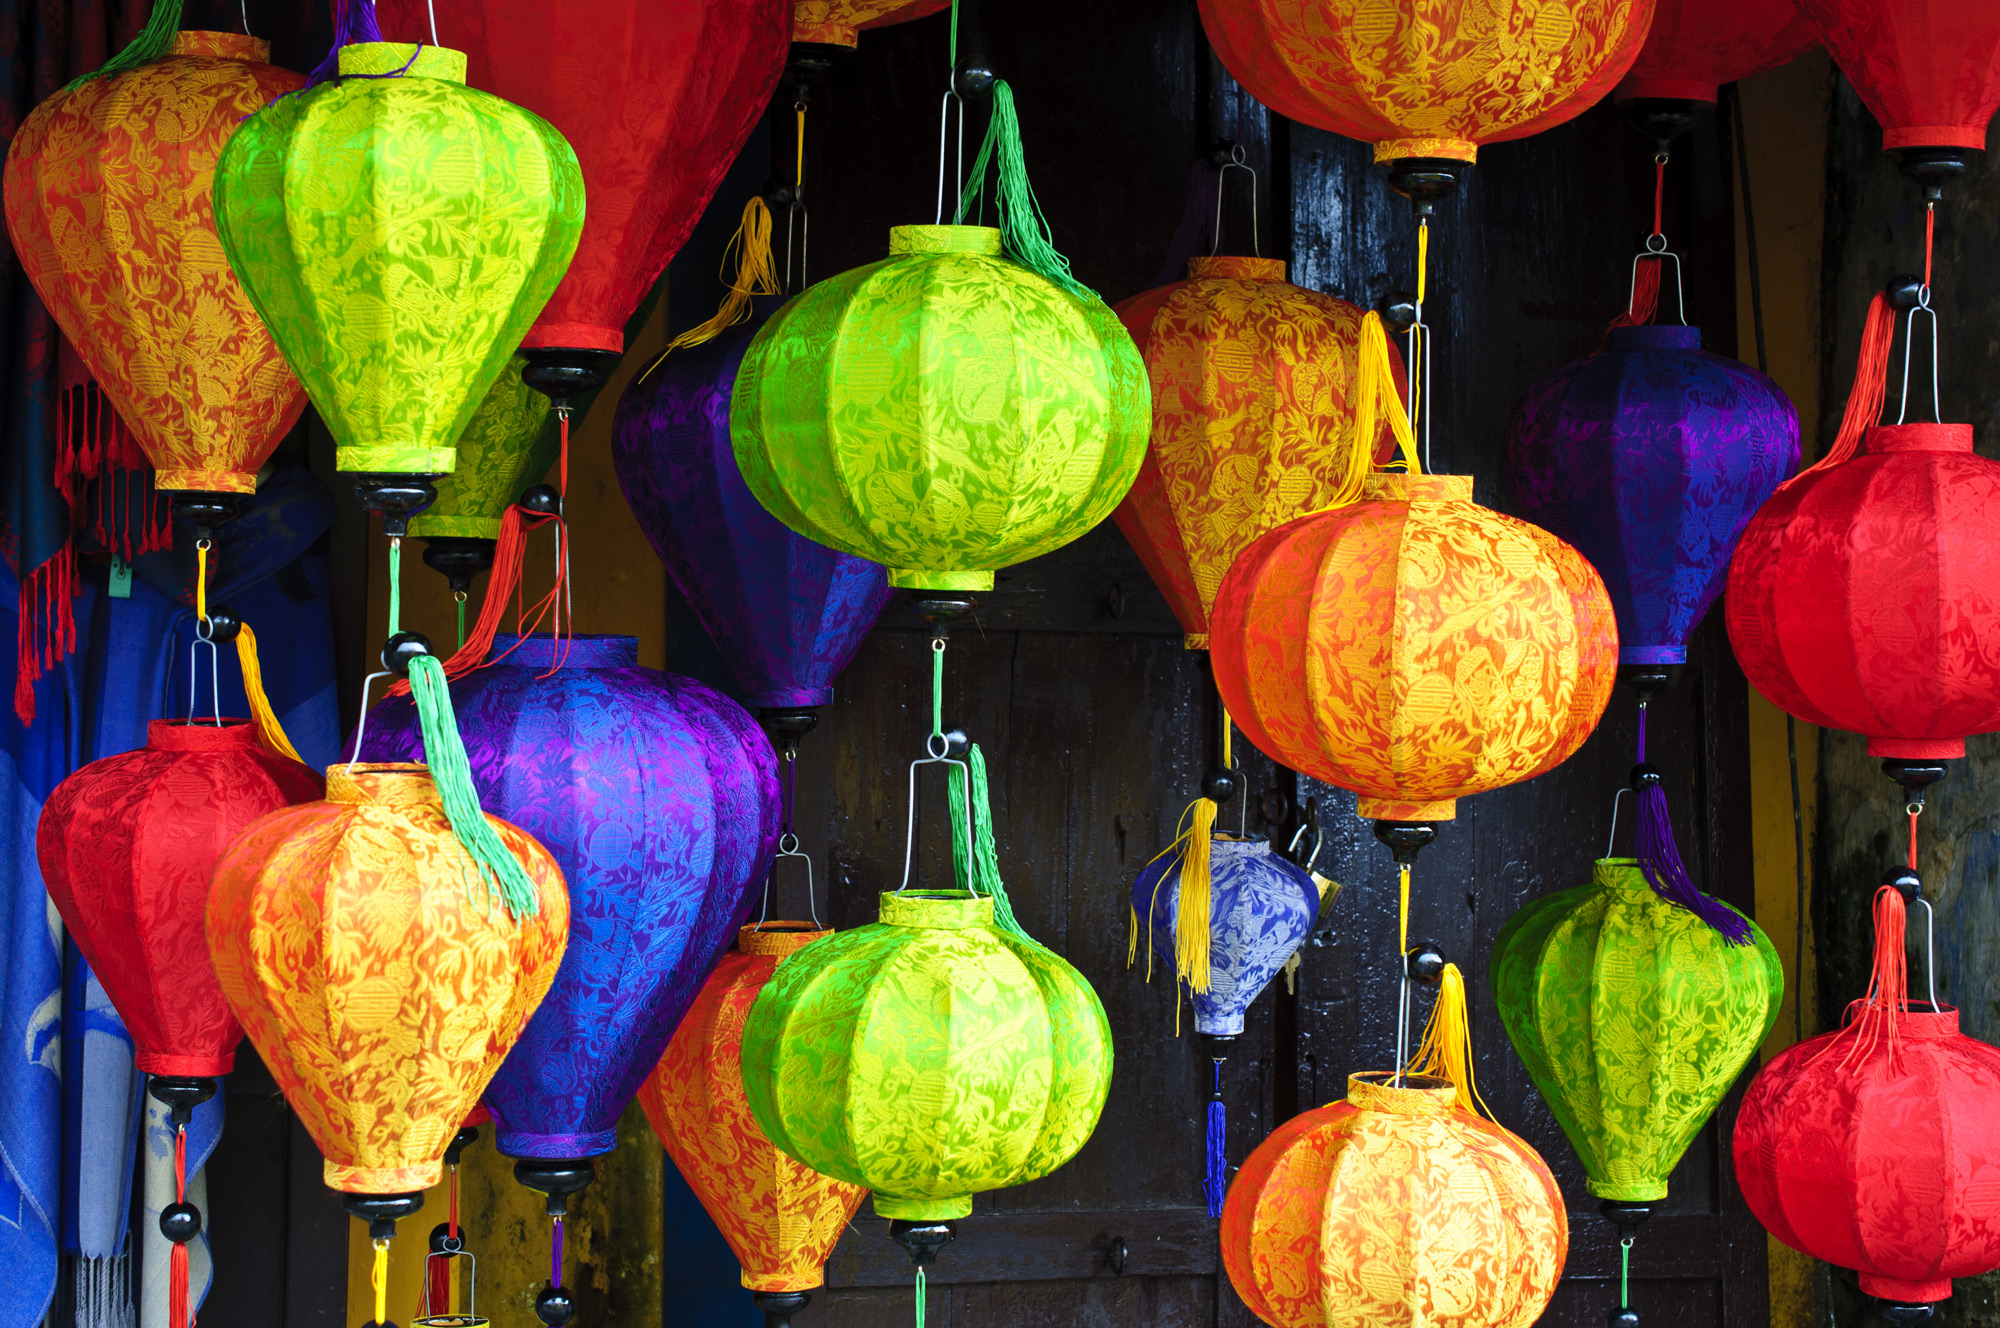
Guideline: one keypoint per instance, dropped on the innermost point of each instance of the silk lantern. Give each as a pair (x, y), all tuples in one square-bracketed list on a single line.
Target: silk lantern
[(1695, 46), (785, 613), (780, 1219), (380, 981), (1872, 1147), (398, 232), (509, 443), (841, 22), (108, 207), (1396, 1206), (927, 1056), (1258, 911), (1414, 647), (1432, 80), (1254, 384), (1633, 1017), (944, 412), (657, 100)]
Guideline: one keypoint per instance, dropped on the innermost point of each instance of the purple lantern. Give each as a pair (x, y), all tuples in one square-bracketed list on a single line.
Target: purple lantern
[(658, 797), (786, 614), (1651, 457)]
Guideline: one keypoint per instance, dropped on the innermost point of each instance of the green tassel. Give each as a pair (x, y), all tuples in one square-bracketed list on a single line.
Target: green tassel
[(1024, 231), (499, 869), (983, 875), (152, 43)]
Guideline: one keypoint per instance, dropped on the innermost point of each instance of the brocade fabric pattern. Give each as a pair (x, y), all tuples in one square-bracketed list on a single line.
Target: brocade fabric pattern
[(781, 1219), (1929, 72), (1866, 595), (839, 22), (1394, 1209), (1253, 380), (108, 207), (1650, 458), (1887, 1163), (656, 98), (127, 847), (1633, 1017), (1414, 647), (398, 236), (510, 443), (1261, 909), (659, 798), (943, 412), (375, 974), (786, 614), (1695, 46), (927, 1056), (1428, 78)]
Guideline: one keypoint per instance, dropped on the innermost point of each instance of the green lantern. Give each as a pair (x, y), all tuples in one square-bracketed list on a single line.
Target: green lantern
[(1633, 1017), (398, 232), (928, 1056), (510, 444), (944, 412)]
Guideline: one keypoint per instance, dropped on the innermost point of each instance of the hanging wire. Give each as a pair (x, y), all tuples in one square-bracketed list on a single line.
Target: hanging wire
[(797, 208), (1235, 163), (246, 17), (204, 635), (1611, 840), (937, 751)]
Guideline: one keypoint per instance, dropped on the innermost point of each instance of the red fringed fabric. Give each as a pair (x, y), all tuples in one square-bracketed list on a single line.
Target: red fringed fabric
[(47, 626)]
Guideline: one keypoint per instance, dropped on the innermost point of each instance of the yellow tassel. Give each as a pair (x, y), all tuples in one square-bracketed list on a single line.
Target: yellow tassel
[(1191, 918), (1132, 941), (269, 731), (379, 1278), (1446, 1052), (756, 274)]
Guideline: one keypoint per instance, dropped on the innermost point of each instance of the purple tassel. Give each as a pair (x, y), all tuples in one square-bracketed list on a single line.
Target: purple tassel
[(1217, 1183), (1660, 858), (1195, 234), (353, 21)]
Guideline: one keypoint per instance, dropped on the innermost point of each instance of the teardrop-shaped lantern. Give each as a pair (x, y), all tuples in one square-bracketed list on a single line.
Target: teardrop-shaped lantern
[(944, 412), (399, 233), (509, 444), (781, 1219), (108, 208)]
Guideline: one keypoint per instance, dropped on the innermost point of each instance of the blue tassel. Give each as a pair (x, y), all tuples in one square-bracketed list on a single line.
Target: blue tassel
[(1217, 1183)]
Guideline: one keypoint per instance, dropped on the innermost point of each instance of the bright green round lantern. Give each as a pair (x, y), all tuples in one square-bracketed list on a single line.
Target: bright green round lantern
[(928, 1056), (1633, 1017), (943, 412), (398, 234)]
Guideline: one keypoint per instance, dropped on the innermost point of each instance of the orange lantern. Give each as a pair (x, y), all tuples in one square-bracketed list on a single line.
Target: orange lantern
[(108, 205), (1427, 80), (376, 974), (1255, 384), (840, 22), (1414, 647), (780, 1217)]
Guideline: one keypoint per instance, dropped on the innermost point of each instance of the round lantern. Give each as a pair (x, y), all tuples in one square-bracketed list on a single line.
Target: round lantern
[(786, 614), (1634, 1017), (851, 1071), (658, 797), (377, 977), (1874, 1147), (1650, 458), (1414, 647), (1430, 80), (398, 232), (1695, 46), (657, 99), (509, 444), (1866, 594), (944, 412), (108, 207), (840, 22), (1253, 382), (781, 1219), (1394, 1207)]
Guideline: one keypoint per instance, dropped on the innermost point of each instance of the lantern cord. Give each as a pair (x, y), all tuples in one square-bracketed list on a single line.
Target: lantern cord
[(922, 1293), (1870, 390), (1915, 810), (555, 1254), (1930, 239), (937, 688), (1235, 163), (1660, 160), (378, 1278), (1403, 968), (1625, 1273), (1660, 858), (1420, 339), (756, 274), (177, 1261), (1446, 1051), (458, 596), (1024, 230), (204, 635), (1216, 1183), (154, 41), (797, 210)]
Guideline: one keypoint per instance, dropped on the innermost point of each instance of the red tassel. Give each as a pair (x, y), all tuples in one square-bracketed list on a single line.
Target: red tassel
[(177, 1263), (1871, 385), (47, 630), (1880, 1017), (1645, 296)]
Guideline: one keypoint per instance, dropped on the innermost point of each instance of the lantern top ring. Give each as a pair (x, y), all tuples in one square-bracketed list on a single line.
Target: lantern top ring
[(1914, 809), (937, 645), (1662, 157), (1656, 243), (937, 746), (788, 843)]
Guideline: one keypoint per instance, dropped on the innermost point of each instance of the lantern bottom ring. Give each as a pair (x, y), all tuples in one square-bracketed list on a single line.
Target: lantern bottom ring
[(1895, 1289), (941, 1209)]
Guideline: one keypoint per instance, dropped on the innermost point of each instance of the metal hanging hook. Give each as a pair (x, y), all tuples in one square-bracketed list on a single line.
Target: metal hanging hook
[(944, 138), (203, 637), (1923, 305), (1235, 163), (1658, 253), (1611, 841), (361, 724)]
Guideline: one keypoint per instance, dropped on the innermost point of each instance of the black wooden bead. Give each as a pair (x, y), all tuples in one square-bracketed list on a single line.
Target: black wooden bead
[(180, 1223), (555, 1305), (1626, 1317)]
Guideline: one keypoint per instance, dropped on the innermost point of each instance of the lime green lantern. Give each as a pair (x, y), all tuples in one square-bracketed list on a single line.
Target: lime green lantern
[(928, 1056), (944, 412), (1634, 1017), (511, 442), (398, 233)]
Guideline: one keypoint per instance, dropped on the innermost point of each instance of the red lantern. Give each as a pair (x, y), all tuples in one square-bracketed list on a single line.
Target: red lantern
[(127, 846), (1694, 46), (1865, 595), (656, 98), (1928, 69), (1877, 1147)]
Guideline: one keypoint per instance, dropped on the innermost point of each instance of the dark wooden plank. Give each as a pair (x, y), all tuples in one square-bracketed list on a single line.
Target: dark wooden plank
[(1159, 1242)]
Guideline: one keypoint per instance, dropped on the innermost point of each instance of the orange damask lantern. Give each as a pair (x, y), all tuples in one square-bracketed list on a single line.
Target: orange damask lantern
[(377, 974), (109, 208), (1414, 647), (780, 1217)]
